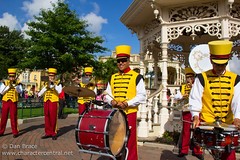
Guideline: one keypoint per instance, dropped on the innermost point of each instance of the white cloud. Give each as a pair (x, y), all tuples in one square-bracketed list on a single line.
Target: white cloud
[(33, 7), (10, 21), (96, 8), (25, 28), (234, 65), (95, 22)]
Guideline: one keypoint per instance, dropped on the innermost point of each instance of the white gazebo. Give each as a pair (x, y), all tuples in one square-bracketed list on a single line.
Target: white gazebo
[(169, 29)]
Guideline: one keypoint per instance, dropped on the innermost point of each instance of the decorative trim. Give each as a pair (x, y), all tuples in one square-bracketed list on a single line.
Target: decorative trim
[(212, 29), (200, 11), (234, 29), (235, 11)]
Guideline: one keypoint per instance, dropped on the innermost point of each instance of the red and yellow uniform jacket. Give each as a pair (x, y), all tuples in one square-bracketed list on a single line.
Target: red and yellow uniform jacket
[(83, 100), (123, 88), (217, 96), (11, 94), (185, 89), (51, 94)]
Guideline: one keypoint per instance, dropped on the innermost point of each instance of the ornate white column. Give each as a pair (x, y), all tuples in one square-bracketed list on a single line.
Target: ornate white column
[(141, 66), (164, 115), (178, 75), (143, 125), (164, 75)]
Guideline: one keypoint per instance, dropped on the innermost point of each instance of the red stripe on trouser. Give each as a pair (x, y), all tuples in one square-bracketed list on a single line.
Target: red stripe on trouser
[(132, 139), (81, 108), (50, 113), (6, 107), (186, 132), (229, 156)]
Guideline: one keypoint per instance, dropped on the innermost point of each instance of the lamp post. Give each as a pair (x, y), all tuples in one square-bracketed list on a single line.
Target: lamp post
[(150, 76)]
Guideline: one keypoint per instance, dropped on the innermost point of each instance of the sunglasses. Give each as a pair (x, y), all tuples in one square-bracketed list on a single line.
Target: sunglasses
[(122, 60), (88, 75)]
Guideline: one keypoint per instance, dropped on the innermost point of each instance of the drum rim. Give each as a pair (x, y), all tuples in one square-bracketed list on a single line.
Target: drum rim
[(126, 134), (106, 129), (78, 127)]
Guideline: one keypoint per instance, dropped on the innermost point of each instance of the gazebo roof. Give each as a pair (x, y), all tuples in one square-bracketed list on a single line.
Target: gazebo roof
[(189, 22)]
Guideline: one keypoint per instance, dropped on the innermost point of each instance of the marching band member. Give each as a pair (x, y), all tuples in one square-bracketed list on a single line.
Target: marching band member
[(10, 90), (186, 115), (216, 92), (126, 90), (51, 92), (89, 84)]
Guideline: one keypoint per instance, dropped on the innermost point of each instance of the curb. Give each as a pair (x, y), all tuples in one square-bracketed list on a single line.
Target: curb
[(34, 119)]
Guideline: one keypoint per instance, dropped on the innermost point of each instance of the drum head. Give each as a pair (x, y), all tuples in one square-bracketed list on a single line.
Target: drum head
[(199, 58), (206, 127), (230, 128), (117, 132)]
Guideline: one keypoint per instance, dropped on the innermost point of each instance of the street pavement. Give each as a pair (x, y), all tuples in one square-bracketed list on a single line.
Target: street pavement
[(30, 146)]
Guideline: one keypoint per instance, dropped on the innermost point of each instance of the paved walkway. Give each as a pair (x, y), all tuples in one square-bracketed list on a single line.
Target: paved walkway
[(30, 146)]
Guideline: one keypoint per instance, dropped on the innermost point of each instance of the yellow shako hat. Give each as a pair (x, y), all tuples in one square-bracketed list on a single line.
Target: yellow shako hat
[(123, 51), (52, 71), (220, 51), (12, 71), (88, 69), (189, 71)]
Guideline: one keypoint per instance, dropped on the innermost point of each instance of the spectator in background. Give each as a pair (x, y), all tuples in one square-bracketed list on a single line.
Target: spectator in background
[(169, 97), (61, 105), (100, 88)]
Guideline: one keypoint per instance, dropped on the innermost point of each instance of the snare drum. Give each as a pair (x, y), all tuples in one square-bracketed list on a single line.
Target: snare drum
[(102, 131), (216, 138)]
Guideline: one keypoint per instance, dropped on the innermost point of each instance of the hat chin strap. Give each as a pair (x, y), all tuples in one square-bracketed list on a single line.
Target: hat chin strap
[(219, 74)]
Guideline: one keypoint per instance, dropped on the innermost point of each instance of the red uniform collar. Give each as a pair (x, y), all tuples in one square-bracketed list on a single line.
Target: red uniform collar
[(214, 72), (126, 70)]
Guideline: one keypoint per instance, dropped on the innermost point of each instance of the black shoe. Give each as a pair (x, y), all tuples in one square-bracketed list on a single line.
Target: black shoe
[(15, 136), (54, 137), (182, 154), (45, 137), (199, 156)]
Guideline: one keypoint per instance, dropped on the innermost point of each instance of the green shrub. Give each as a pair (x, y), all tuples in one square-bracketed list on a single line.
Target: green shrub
[(169, 138)]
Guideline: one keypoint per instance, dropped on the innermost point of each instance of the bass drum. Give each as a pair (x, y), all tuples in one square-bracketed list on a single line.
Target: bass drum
[(199, 58), (102, 131)]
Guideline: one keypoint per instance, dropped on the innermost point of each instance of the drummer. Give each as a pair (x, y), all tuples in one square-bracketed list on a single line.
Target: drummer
[(216, 92), (88, 82), (186, 115), (126, 90)]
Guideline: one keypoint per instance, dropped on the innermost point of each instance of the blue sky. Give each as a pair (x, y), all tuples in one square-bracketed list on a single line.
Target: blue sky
[(103, 17)]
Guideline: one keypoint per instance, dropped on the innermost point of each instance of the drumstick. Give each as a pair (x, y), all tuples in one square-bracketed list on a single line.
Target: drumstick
[(105, 93)]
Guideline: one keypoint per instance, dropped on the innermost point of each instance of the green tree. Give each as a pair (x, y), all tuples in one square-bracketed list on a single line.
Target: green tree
[(104, 70), (12, 49), (59, 39)]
